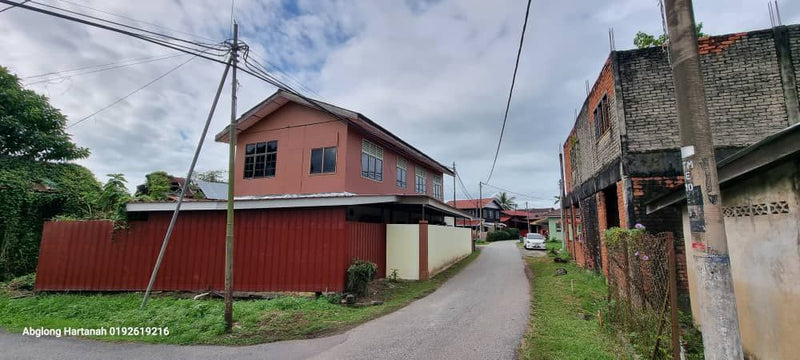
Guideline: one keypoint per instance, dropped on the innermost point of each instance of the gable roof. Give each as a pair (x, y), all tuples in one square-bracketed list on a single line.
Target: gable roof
[(358, 121), (471, 204)]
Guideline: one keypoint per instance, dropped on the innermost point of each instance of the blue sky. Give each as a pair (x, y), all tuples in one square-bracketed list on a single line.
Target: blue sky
[(434, 72)]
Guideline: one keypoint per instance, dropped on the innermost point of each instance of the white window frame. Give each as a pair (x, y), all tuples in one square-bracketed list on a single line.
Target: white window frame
[(402, 164), (437, 187), (371, 151), (420, 178)]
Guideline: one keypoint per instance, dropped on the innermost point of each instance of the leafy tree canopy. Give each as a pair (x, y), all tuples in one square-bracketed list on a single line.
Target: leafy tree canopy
[(30, 127), (157, 186), (114, 197), (211, 176), (645, 40)]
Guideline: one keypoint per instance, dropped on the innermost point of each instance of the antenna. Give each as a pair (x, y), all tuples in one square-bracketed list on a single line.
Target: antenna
[(778, 13), (611, 44)]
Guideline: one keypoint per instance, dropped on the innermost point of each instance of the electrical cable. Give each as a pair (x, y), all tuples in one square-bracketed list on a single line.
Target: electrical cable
[(13, 6), (517, 193), (511, 91), (131, 93), (98, 70), (90, 67)]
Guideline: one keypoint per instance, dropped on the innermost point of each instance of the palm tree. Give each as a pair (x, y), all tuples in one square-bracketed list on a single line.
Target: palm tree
[(506, 202), (557, 200)]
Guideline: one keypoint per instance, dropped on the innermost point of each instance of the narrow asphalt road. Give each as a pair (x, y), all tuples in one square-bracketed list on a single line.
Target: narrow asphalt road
[(481, 313)]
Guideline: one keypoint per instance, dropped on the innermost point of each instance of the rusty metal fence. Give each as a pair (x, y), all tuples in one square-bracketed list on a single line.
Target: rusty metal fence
[(642, 288)]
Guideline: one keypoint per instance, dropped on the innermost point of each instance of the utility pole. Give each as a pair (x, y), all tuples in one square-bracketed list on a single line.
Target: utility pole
[(231, 159), (561, 186), (528, 217), (720, 322), (480, 209), (454, 186)]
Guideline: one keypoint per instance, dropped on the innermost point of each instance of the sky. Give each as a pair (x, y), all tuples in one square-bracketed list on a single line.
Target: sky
[(434, 72)]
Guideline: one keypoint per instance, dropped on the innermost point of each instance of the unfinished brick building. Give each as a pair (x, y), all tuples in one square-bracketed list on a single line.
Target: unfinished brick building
[(623, 149)]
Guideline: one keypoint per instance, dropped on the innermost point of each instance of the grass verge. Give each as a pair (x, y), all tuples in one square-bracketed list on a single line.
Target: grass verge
[(564, 322), (201, 322)]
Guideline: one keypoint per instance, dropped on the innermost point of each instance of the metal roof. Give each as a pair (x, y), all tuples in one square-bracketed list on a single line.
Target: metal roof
[(213, 190)]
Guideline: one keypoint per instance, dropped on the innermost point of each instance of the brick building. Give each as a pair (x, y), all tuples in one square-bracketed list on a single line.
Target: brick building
[(623, 149)]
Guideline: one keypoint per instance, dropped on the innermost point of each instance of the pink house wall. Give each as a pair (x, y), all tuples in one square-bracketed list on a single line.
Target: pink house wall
[(360, 185), (297, 129)]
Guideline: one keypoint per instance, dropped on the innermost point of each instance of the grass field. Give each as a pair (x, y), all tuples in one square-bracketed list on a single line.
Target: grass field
[(201, 322), (564, 322)]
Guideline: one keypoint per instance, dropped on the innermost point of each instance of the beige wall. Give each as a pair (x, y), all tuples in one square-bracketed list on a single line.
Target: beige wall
[(446, 245), (765, 261), (402, 250)]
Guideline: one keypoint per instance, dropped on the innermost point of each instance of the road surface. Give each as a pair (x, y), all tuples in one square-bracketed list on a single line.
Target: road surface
[(481, 313)]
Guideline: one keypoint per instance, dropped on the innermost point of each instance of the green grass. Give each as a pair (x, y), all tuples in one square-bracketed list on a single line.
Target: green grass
[(201, 322), (557, 330)]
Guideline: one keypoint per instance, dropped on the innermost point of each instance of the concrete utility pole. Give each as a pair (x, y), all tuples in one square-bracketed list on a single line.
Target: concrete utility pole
[(528, 216), (720, 322), (231, 160), (561, 186)]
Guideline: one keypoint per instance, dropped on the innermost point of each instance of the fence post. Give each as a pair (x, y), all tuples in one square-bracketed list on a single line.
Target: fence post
[(673, 297)]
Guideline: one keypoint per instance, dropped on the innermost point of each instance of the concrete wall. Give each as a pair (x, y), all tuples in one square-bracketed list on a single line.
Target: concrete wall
[(764, 242), (402, 250), (446, 245)]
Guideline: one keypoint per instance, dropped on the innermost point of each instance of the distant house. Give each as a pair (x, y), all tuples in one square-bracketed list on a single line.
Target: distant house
[(490, 207), (524, 220), (551, 223), (314, 188)]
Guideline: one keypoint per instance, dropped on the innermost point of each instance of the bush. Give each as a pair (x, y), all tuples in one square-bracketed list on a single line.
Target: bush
[(513, 232), (22, 283), (359, 275), (501, 235)]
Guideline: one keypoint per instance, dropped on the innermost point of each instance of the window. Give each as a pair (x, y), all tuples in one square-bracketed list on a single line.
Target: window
[(402, 166), (260, 159), (601, 121), (419, 180), (371, 161), (323, 160), (437, 187)]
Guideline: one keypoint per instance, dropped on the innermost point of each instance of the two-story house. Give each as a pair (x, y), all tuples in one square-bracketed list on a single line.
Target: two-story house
[(316, 186), (491, 213)]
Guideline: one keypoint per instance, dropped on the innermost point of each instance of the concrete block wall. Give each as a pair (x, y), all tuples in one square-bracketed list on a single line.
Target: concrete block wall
[(794, 45), (743, 91)]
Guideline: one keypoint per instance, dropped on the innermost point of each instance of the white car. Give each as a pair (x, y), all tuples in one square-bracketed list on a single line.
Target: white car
[(534, 241)]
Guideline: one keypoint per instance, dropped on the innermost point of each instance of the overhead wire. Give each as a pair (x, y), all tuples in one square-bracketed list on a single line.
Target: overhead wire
[(151, 82), (13, 6), (517, 193), (97, 70), (511, 91)]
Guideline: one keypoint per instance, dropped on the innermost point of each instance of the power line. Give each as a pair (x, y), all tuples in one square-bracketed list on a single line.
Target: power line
[(463, 187), (516, 193), (13, 6), (131, 93), (97, 69), (511, 91)]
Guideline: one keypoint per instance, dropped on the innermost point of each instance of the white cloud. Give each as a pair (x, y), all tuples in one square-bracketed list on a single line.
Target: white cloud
[(434, 72)]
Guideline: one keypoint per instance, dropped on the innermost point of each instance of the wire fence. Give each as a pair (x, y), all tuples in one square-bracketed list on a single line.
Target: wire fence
[(639, 270)]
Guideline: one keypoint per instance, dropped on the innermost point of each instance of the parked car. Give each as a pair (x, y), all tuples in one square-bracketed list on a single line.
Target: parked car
[(534, 241)]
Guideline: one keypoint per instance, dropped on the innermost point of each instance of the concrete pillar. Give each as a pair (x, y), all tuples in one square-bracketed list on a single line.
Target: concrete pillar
[(788, 80), (423, 250)]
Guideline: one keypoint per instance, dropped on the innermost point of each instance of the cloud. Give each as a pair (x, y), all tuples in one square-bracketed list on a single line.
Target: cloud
[(434, 72)]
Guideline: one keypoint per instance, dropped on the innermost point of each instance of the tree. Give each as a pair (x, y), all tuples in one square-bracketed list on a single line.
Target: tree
[(211, 176), (157, 186), (645, 40), (31, 128), (505, 201), (114, 197)]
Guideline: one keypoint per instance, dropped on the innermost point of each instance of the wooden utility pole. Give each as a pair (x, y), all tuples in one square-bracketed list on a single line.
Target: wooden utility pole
[(231, 160), (720, 322), (454, 187), (480, 209)]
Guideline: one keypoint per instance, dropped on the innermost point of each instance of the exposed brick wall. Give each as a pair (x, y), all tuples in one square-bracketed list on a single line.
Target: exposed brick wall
[(743, 91), (794, 44), (590, 153), (623, 218)]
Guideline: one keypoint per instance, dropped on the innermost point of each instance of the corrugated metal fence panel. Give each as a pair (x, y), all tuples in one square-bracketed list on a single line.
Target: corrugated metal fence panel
[(367, 241), (275, 250)]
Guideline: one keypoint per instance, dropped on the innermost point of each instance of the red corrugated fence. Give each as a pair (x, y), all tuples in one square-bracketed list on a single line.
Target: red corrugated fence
[(275, 250)]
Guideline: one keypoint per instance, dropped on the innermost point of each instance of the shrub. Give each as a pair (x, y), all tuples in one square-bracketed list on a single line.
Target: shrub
[(22, 283), (359, 275), (513, 233), (499, 235)]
